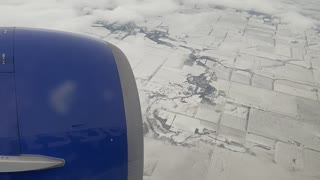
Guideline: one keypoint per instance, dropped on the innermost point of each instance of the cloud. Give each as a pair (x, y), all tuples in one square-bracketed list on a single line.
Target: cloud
[(297, 20), (77, 14), (265, 6), (290, 12)]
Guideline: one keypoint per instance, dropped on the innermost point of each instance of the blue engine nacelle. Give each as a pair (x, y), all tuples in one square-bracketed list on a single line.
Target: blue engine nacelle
[(69, 109)]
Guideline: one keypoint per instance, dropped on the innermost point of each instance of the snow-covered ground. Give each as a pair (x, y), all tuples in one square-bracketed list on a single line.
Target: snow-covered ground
[(230, 95), (228, 90)]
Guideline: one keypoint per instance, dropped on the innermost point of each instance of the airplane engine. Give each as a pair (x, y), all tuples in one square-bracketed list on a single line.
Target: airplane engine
[(69, 108)]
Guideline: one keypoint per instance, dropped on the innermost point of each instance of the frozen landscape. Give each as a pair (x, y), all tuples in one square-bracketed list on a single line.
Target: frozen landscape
[(227, 92), (233, 96)]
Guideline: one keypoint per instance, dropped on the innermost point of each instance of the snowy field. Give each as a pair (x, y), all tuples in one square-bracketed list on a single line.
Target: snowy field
[(230, 90)]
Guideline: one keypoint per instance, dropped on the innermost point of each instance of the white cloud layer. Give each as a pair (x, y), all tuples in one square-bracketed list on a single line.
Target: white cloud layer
[(76, 14)]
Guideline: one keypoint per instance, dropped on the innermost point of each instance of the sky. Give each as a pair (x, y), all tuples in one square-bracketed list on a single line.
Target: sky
[(72, 15)]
